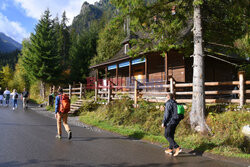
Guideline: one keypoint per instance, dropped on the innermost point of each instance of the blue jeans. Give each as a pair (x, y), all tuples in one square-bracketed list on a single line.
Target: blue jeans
[(14, 103)]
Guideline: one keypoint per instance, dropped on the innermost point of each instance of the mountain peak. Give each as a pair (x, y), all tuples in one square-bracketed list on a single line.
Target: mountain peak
[(8, 44), (85, 6)]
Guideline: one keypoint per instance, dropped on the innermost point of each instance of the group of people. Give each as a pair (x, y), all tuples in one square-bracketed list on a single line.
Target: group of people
[(170, 120), (7, 97)]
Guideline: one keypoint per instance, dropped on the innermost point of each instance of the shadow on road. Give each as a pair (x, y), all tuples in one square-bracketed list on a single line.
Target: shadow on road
[(67, 163), (16, 124), (202, 148)]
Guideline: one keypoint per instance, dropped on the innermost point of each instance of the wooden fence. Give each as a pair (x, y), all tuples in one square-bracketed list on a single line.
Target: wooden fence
[(215, 92), (79, 90)]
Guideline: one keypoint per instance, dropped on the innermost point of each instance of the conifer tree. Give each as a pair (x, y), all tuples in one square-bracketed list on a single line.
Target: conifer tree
[(83, 48), (43, 62), (64, 41)]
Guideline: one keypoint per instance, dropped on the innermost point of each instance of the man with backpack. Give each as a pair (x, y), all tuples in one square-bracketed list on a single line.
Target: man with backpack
[(62, 107), (170, 121)]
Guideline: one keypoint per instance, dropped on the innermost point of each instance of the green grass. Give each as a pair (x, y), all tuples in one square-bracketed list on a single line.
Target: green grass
[(144, 123), (50, 108)]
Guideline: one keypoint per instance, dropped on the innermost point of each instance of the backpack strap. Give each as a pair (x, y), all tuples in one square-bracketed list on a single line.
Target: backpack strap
[(60, 103)]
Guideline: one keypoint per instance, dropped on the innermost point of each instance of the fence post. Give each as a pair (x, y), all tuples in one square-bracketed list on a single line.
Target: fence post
[(96, 90), (135, 93), (70, 91), (171, 85), (109, 92), (80, 90), (241, 87)]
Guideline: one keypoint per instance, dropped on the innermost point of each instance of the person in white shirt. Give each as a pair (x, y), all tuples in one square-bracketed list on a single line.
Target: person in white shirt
[(14, 95), (7, 96)]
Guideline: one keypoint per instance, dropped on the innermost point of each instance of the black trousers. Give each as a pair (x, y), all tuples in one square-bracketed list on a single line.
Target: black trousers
[(169, 135)]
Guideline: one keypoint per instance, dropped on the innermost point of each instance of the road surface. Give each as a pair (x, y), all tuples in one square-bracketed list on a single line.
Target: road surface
[(28, 139)]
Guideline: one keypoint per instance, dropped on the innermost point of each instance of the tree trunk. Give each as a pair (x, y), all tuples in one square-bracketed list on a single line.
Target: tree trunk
[(197, 116), (42, 90)]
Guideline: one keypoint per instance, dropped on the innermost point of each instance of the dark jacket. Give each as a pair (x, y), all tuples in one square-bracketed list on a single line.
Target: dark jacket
[(170, 114)]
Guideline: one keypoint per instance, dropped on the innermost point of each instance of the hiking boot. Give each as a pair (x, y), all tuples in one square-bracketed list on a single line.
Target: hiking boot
[(69, 135), (169, 151), (177, 151), (58, 136)]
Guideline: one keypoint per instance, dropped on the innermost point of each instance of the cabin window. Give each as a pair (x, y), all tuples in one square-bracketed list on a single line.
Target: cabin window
[(126, 48)]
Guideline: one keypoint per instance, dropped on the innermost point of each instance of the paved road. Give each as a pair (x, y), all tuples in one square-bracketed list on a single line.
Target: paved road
[(28, 139)]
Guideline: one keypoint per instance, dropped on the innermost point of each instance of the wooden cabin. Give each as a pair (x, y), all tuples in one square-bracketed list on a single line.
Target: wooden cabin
[(153, 67)]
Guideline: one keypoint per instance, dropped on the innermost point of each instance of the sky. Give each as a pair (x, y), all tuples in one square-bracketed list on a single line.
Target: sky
[(19, 17)]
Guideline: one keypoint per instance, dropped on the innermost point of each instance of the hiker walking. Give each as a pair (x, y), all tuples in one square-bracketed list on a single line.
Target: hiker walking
[(170, 122), (25, 97), (62, 107), (14, 95), (1, 97), (7, 96)]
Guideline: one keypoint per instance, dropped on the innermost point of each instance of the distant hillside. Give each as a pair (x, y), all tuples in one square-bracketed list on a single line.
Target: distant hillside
[(90, 13), (7, 44)]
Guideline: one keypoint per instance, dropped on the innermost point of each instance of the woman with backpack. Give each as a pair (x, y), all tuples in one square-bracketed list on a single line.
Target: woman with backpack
[(14, 95)]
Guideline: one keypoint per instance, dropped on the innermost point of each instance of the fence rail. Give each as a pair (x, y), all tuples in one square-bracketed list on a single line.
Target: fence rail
[(215, 92)]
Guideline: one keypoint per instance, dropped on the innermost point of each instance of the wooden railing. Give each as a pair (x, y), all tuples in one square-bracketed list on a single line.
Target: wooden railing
[(78, 91), (215, 92)]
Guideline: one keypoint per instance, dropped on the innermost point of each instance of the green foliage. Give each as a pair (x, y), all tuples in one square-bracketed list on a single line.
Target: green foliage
[(82, 50), (90, 14), (109, 42), (20, 79), (63, 41), (9, 58), (6, 75), (161, 31), (50, 108), (89, 94), (42, 60), (73, 99), (89, 107)]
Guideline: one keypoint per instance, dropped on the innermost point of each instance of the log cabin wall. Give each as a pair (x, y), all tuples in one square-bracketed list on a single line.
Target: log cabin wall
[(156, 67), (176, 66), (215, 70)]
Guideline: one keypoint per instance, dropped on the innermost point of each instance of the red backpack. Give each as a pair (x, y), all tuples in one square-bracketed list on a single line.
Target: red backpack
[(64, 104)]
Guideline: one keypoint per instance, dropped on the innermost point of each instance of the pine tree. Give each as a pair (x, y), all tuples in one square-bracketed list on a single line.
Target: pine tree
[(83, 48), (64, 41), (43, 62)]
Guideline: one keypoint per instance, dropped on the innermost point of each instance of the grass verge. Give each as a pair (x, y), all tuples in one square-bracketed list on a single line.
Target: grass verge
[(144, 123)]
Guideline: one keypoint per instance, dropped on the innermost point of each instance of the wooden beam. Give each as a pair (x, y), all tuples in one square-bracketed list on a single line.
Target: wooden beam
[(135, 93), (106, 72), (116, 74), (166, 67), (146, 69), (97, 75), (130, 71)]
